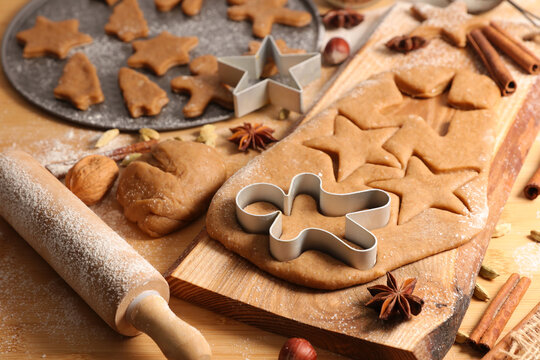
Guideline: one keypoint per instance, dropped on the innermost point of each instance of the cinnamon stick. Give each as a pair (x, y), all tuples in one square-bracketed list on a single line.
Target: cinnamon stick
[(499, 352), (60, 169), (532, 189), (493, 62), (499, 311), (525, 58)]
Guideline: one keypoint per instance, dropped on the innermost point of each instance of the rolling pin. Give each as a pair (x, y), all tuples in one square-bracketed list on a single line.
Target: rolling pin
[(118, 283)]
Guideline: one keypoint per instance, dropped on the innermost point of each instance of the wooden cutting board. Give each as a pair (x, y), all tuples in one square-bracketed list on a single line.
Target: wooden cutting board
[(211, 276)]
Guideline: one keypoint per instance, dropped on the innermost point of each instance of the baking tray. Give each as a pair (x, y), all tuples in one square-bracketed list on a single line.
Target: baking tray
[(36, 78)]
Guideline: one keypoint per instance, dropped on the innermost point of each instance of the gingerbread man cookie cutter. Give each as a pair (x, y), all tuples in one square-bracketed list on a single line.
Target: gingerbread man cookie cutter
[(285, 89), (363, 210)]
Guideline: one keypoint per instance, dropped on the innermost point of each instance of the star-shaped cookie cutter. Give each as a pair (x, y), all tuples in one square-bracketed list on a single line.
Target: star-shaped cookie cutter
[(285, 89), (363, 210)]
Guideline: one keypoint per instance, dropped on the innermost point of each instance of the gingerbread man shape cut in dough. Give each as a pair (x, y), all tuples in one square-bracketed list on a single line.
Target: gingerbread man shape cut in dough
[(264, 13), (204, 86)]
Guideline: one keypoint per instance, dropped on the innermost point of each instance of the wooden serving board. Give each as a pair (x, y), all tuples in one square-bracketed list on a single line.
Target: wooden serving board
[(209, 275)]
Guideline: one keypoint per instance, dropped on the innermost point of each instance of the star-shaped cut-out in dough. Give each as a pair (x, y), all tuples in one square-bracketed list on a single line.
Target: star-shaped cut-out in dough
[(52, 38), (452, 22), (204, 87), (264, 13), (141, 95), (421, 189), (162, 52), (189, 7), (354, 147), (127, 21), (79, 83)]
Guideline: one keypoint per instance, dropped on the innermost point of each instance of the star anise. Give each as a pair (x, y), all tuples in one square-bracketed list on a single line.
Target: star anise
[(257, 136), (405, 44), (392, 299), (342, 18)]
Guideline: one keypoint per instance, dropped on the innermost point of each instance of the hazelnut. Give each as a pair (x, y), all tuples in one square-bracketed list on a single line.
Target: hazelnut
[(336, 51), (297, 349), (91, 177)]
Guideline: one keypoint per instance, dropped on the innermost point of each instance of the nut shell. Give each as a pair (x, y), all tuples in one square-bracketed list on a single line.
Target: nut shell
[(91, 177), (297, 349)]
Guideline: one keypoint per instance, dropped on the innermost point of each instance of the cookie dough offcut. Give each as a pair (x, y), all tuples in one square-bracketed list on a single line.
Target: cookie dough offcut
[(141, 95), (54, 38), (172, 186), (79, 83)]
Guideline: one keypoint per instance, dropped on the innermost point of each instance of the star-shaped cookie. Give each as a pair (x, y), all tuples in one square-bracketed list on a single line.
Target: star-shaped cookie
[(204, 87), (52, 38), (189, 7), (452, 22), (264, 13), (354, 147), (79, 83), (141, 95), (270, 69), (162, 52), (421, 189), (127, 21)]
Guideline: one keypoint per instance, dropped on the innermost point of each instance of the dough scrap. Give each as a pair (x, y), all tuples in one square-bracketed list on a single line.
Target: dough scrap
[(127, 21), (264, 13), (270, 69), (141, 95), (79, 83), (204, 86), (54, 38), (167, 189), (189, 7), (425, 82), (162, 52), (466, 83), (451, 22), (432, 224)]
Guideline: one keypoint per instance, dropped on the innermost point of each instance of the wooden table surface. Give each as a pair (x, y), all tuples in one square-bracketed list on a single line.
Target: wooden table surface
[(40, 317)]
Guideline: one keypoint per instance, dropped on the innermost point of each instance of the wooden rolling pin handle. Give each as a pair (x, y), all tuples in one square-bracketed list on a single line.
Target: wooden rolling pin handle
[(178, 340)]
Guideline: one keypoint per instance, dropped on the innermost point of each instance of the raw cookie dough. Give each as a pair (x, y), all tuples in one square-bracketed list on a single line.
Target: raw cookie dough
[(170, 187), (162, 52), (79, 83), (141, 95), (204, 86), (52, 38), (467, 82), (127, 21), (451, 22), (441, 177), (189, 7), (264, 13)]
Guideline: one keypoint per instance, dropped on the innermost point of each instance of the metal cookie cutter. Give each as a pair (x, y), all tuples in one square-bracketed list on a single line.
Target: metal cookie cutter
[(285, 89), (367, 209)]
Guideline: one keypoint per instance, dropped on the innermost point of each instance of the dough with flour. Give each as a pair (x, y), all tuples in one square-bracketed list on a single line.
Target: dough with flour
[(171, 186), (432, 158)]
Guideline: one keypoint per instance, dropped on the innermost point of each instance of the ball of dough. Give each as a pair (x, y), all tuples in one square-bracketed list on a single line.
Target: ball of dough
[(171, 186)]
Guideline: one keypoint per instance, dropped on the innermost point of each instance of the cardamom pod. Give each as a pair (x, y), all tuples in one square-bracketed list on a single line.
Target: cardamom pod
[(535, 235), (501, 230), (106, 138), (130, 158), (284, 114), (461, 338), (480, 293), (148, 134), (487, 273), (207, 135)]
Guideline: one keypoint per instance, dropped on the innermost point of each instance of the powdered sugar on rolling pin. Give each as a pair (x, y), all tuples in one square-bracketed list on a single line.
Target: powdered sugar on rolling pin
[(93, 259)]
